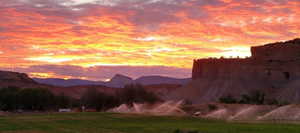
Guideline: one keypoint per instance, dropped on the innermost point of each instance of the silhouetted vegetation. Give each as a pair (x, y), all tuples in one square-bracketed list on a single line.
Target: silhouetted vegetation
[(255, 97), (12, 98), (64, 101), (35, 99), (98, 100), (128, 95), (228, 100), (136, 93), (38, 99), (212, 107), (276, 102), (185, 131), (9, 98)]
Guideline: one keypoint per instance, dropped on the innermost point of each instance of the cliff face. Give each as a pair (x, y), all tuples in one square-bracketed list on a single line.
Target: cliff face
[(272, 68)]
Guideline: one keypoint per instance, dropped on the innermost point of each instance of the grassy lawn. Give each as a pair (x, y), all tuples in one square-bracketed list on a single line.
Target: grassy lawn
[(122, 123)]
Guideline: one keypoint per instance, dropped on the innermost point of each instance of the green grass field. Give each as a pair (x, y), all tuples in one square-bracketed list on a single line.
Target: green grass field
[(122, 123)]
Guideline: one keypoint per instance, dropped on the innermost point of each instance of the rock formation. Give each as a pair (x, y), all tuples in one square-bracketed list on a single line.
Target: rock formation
[(272, 68), (277, 62)]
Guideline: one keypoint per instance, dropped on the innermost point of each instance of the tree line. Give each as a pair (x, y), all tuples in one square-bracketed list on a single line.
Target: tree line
[(255, 97), (40, 99)]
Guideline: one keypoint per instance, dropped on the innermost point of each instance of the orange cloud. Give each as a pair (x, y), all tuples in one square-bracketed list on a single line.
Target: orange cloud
[(139, 33)]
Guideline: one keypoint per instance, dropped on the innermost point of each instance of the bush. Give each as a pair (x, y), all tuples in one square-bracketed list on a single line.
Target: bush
[(212, 107), (136, 93), (13, 98), (187, 102), (63, 101), (254, 97), (228, 99), (185, 131), (31, 99), (36, 99), (276, 102), (272, 102), (9, 99), (98, 100)]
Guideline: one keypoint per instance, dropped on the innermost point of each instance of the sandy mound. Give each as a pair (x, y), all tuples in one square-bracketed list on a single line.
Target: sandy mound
[(285, 113)]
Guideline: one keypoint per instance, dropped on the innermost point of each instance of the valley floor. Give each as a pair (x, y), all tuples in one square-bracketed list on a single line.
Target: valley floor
[(129, 123)]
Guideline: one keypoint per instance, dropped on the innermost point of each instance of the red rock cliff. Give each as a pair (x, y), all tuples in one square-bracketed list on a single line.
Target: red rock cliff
[(273, 68)]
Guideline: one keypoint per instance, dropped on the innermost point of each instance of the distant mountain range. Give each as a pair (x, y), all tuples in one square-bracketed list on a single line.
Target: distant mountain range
[(162, 86), (118, 81)]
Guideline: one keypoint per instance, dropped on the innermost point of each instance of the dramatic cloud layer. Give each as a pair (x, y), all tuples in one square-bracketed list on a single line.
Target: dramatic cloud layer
[(67, 38)]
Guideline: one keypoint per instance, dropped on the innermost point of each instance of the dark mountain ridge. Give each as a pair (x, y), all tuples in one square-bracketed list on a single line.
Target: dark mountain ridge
[(118, 81), (78, 87)]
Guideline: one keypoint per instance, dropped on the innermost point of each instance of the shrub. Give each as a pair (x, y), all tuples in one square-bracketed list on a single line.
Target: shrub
[(228, 99), (136, 93), (63, 101), (212, 107), (36, 99), (13, 98), (9, 99), (185, 131), (188, 102), (98, 100), (272, 102), (254, 97)]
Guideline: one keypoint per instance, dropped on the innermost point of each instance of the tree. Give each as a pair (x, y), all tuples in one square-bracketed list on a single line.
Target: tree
[(63, 101), (9, 98), (254, 97), (36, 99), (136, 93), (90, 98), (98, 100), (228, 99)]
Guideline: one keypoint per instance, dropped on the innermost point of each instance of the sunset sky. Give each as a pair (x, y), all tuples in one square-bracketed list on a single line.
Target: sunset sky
[(95, 39)]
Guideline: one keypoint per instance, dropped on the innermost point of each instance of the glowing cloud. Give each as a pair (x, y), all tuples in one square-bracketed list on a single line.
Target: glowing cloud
[(137, 33)]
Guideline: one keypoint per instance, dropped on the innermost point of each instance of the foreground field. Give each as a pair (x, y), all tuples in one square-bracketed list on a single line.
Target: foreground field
[(121, 123)]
